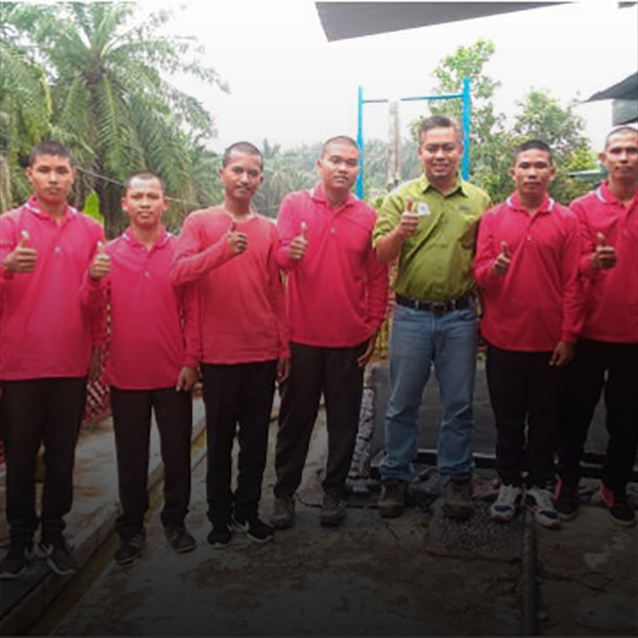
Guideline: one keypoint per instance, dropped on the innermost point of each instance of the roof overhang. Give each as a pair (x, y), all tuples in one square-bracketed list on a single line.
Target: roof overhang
[(625, 100), (342, 20)]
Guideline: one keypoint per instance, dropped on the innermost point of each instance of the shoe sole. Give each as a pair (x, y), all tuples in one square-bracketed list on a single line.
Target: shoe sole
[(11, 575), (620, 523), (128, 561), (186, 549), (254, 539), (567, 517), (60, 572), (391, 512)]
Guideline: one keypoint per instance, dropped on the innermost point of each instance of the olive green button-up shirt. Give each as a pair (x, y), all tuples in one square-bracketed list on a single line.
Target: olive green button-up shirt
[(436, 263)]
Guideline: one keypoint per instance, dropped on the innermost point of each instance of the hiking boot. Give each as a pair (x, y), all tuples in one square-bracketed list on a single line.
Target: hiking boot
[(130, 548), (509, 498), (566, 500), (392, 500), (333, 511), (254, 527), (539, 500), (458, 497), (15, 563), (221, 533), (283, 514), (59, 555), (180, 539), (618, 505)]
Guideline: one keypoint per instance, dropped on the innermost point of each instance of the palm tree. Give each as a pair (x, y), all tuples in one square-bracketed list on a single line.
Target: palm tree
[(25, 101), (112, 104)]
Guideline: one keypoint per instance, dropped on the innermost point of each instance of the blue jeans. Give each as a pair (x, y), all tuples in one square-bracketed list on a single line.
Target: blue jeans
[(418, 339)]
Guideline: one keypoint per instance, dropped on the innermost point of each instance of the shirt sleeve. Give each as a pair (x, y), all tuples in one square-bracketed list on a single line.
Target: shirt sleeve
[(377, 289), (277, 298), (573, 298), (190, 308), (288, 227), (389, 216), (8, 241), (487, 250), (192, 260)]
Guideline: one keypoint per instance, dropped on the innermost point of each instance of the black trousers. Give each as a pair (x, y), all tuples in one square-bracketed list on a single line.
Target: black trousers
[(132, 427), (313, 370), (525, 396), (237, 395), (34, 412), (613, 368)]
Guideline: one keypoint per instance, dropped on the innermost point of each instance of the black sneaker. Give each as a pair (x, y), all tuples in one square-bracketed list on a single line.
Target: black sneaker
[(14, 564), (130, 548), (333, 511), (566, 500), (180, 539), (254, 528), (221, 533), (59, 555), (619, 506), (392, 500)]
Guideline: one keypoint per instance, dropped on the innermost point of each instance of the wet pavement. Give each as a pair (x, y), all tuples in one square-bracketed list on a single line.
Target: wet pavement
[(417, 575)]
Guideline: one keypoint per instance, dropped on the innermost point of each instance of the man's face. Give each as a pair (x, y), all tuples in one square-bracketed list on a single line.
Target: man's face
[(144, 202), (51, 177), (339, 166), (620, 156), (440, 153), (242, 176), (532, 172)]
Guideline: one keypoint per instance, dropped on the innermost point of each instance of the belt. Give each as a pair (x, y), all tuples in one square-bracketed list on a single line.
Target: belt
[(436, 307)]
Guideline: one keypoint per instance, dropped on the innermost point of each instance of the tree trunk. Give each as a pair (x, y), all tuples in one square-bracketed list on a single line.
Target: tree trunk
[(109, 196)]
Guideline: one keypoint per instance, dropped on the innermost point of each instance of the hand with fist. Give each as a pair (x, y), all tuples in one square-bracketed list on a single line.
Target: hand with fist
[(409, 223), (101, 264), (299, 244), (23, 258), (237, 240), (604, 256), (502, 261)]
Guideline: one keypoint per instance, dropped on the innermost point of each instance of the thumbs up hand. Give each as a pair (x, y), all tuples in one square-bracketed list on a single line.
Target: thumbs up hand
[(409, 223), (604, 257), (23, 258), (237, 240), (502, 261), (299, 244), (101, 264)]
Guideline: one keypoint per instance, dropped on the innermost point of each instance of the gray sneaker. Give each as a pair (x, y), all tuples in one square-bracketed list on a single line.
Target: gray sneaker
[(458, 497), (333, 511), (283, 514), (392, 500), (59, 555)]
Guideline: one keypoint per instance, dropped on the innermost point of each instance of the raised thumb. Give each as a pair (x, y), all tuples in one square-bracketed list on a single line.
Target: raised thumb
[(601, 239), (25, 238), (233, 227), (304, 230), (505, 249), (408, 204)]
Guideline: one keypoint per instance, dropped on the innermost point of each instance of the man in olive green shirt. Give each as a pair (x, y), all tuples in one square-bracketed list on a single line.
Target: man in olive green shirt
[(430, 224)]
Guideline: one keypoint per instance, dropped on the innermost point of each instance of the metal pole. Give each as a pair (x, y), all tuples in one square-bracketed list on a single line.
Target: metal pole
[(359, 188), (465, 166)]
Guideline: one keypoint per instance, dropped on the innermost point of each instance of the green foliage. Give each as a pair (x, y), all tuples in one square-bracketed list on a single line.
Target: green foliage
[(92, 208)]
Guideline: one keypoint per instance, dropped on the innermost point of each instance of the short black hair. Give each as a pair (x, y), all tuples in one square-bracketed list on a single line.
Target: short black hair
[(338, 139), (146, 176), (242, 147), (49, 147), (440, 121), (620, 130), (528, 145)]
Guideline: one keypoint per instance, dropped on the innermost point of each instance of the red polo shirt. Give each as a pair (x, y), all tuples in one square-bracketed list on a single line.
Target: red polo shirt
[(154, 326), (611, 296), (338, 293), (243, 318), (538, 302), (45, 329)]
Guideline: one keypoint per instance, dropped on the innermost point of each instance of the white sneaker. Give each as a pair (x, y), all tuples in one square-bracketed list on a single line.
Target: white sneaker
[(504, 508), (540, 502)]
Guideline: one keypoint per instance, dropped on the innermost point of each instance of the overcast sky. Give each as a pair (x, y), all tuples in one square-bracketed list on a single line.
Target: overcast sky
[(290, 85)]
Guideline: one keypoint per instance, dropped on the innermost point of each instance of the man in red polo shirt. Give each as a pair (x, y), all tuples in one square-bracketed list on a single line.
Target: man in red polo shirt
[(607, 353), (230, 251), (337, 296), (151, 366), (47, 334), (526, 268)]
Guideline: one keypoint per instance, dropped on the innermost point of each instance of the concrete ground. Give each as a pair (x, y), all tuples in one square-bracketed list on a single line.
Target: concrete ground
[(416, 575)]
